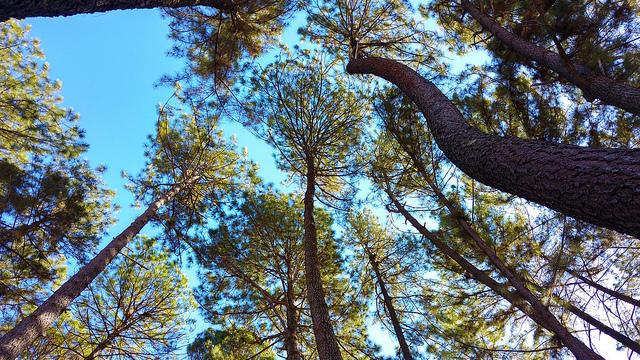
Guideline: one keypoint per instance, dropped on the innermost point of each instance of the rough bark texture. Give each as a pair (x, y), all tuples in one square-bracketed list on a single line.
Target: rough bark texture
[(393, 316), (21, 9), (600, 186), (590, 82), (14, 342), (326, 342)]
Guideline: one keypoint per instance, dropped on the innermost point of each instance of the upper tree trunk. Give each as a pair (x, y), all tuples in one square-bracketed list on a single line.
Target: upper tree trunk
[(393, 316), (600, 186), (21, 9), (291, 336), (326, 341), (591, 83), (14, 342)]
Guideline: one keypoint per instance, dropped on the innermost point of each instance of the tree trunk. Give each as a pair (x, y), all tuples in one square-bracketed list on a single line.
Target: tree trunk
[(14, 342), (616, 294), (326, 341), (590, 82), (291, 336), (388, 303), (600, 186), (21, 9), (536, 311)]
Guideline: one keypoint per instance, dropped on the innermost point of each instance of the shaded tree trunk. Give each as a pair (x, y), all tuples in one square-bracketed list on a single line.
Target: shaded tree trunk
[(600, 186), (326, 341), (21, 9), (590, 82), (14, 342), (388, 303)]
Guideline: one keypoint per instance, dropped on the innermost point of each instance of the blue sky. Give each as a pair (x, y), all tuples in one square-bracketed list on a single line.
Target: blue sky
[(109, 64)]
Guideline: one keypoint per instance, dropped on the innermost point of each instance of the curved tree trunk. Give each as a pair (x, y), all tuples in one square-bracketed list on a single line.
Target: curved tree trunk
[(591, 83), (21, 9), (326, 341), (388, 303), (14, 342), (600, 186)]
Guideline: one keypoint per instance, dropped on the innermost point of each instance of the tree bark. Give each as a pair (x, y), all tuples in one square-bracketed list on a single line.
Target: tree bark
[(600, 186), (14, 342), (590, 82), (21, 9), (326, 342), (291, 336), (393, 316)]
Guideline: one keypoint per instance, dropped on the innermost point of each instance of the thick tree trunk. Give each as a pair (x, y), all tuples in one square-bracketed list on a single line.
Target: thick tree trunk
[(590, 82), (28, 330), (21, 9), (393, 316), (326, 341), (600, 186)]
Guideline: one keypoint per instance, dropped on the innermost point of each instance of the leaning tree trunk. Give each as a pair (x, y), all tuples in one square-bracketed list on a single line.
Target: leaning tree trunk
[(541, 315), (14, 342), (600, 186), (388, 303), (21, 9), (326, 341), (590, 82)]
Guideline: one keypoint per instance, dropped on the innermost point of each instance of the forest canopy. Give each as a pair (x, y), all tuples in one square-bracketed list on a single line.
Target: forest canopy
[(488, 212)]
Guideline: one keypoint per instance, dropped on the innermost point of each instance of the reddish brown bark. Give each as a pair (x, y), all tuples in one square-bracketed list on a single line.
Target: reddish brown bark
[(593, 84), (600, 186), (14, 342), (21, 9)]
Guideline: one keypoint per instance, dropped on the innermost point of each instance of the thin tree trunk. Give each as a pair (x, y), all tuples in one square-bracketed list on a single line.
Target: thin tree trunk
[(613, 333), (540, 314), (291, 336), (613, 293), (21, 9), (600, 186), (14, 342), (326, 342), (590, 82), (388, 303)]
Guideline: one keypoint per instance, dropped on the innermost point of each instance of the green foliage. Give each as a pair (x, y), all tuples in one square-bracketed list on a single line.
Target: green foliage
[(52, 204), (139, 308), (352, 29), (231, 343), (253, 273), (190, 147), (312, 116), (216, 42)]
